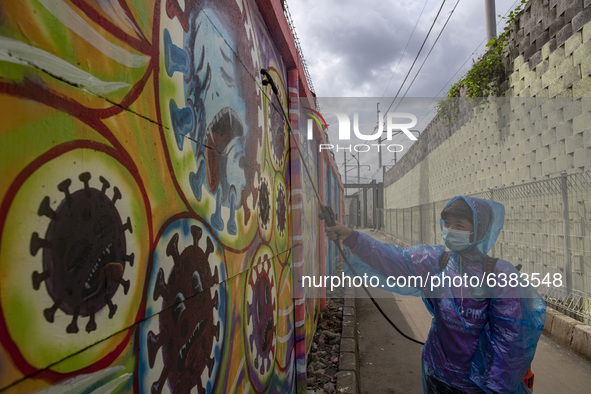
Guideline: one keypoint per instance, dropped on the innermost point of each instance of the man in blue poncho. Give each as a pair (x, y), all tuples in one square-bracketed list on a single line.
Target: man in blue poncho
[(486, 320)]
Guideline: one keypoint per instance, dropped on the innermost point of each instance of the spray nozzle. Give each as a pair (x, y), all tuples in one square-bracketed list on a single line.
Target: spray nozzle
[(327, 214), (269, 80)]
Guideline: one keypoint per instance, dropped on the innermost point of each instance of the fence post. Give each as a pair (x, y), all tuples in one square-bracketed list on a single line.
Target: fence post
[(392, 230), (412, 241), (391, 221), (403, 234), (565, 218), (492, 250), (421, 226), (434, 224)]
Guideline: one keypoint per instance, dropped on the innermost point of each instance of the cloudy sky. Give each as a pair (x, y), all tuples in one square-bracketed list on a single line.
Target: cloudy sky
[(356, 48)]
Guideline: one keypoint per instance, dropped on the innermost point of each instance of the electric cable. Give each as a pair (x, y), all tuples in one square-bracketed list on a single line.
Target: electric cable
[(463, 64), (429, 53), (425, 60), (418, 54), (404, 50), (327, 213)]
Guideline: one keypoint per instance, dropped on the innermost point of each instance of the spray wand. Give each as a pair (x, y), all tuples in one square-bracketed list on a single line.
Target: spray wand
[(326, 212)]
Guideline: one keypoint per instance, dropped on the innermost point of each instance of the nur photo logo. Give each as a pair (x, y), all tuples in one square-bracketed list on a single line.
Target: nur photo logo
[(394, 123)]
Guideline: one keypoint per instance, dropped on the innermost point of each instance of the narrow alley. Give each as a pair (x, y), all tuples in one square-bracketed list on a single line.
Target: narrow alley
[(390, 364)]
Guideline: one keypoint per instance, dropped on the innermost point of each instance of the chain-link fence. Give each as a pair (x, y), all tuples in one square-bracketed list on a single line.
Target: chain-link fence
[(547, 230), (353, 211)]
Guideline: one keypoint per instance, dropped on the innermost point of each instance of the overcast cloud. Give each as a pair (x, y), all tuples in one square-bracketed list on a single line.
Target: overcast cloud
[(354, 48)]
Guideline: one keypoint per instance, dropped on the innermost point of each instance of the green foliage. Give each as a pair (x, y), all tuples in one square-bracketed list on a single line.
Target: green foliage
[(486, 74)]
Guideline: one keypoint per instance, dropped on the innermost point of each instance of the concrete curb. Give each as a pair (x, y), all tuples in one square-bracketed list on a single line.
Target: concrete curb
[(568, 332), (348, 375)]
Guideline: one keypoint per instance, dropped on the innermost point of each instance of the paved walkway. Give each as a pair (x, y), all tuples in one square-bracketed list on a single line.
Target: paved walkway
[(389, 363)]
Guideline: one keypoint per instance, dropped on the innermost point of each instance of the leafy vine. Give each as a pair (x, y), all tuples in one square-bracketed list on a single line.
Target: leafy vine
[(485, 77)]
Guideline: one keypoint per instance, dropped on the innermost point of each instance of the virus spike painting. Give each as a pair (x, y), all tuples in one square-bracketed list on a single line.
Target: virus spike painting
[(146, 226)]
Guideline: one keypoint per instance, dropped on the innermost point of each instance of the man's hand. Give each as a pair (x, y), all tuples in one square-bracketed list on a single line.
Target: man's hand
[(338, 232)]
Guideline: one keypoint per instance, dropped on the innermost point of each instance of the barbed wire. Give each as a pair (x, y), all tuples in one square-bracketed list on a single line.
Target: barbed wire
[(299, 49)]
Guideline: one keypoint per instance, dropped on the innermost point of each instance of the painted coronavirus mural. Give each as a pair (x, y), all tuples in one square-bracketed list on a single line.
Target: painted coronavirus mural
[(214, 117), (84, 252), (190, 326), (146, 204), (261, 320)]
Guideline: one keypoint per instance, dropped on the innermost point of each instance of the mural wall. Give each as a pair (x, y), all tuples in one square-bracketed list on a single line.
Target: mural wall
[(145, 202)]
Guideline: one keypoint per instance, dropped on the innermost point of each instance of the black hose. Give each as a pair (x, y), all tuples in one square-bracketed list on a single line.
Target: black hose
[(327, 213), (373, 299)]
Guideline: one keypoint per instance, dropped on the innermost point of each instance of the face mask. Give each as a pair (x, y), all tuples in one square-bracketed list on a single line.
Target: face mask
[(457, 240)]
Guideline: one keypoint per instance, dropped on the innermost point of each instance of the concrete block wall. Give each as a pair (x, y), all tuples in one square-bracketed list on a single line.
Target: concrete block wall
[(540, 127)]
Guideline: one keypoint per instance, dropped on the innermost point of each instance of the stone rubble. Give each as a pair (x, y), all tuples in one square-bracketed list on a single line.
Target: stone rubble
[(323, 358)]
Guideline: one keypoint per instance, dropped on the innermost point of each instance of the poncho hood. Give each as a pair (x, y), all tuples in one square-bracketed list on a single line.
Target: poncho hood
[(488, 218)]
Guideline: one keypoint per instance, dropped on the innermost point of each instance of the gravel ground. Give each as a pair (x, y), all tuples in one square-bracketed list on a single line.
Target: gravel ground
[(323, 359)]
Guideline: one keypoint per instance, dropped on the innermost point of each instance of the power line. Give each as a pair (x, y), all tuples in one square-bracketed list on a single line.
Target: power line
[(404, 50), (416, 58), (419, 52), (431, 50), (470, 57), (425, 60), (463, 64), (420, 49), (374, 160)]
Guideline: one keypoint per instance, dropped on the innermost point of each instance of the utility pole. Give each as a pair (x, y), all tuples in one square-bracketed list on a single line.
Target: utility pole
[(359, 192), (358, 182), (491, 19), (380, 140), (358, 171), (345, 159)]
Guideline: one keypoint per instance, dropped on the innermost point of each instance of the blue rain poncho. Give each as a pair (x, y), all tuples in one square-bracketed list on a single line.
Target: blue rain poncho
[(482, 338)]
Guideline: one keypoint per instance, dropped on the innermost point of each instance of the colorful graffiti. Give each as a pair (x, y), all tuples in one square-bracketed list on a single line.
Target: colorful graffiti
[(145, 207)]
